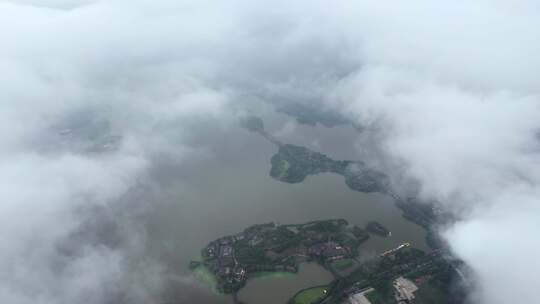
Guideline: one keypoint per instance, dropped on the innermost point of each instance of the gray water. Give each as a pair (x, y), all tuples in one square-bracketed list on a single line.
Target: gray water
[(225, 187)]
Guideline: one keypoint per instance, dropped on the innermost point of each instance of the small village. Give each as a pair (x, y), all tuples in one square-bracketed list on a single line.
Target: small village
[(279, 248), (395, 276), (402, 275)]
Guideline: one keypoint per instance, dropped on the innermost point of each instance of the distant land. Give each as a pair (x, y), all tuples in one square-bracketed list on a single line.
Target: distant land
[(398, 275), (401, 275), (308, 114), (293, 164), (279, 248), (378, 229)]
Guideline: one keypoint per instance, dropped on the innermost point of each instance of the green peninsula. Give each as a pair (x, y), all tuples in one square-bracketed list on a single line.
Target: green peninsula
[(271, 247), (400, 275), (292, 164)]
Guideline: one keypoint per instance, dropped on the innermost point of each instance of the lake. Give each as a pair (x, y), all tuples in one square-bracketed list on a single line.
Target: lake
[(225, 187)]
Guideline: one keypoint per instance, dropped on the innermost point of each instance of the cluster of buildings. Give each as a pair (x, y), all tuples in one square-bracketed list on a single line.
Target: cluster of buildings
[(404, 290), (271, 247), (220, 258), (329, 251), (360, 297), (397, 268)]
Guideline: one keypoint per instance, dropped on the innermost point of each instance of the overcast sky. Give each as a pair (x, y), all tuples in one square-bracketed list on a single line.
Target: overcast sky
[(451, 90)]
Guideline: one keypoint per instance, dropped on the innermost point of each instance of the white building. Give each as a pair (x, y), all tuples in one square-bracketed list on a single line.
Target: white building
[(404, 290), (360, 298)]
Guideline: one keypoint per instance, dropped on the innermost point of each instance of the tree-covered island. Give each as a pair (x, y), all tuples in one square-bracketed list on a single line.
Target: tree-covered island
[(292, 164), (279, 248), (400, 275)]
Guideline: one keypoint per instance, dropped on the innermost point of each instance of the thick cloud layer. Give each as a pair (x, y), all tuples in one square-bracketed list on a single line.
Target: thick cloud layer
[(475, 152), (453, 93), (448, 91), (84, 94)]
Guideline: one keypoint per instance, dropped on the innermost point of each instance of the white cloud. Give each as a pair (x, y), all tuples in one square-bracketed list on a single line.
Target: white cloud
[(74, 81), (451, 87), (55, 4), (453, 93)]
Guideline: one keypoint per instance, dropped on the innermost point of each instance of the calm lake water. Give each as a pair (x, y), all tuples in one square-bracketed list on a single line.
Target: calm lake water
[(226, 187)]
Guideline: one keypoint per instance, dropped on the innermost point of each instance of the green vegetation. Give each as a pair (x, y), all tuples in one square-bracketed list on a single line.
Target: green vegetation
[(273, 250), (430, 294), (379, 274), (302, 162), (375, 297), (343, 264), (204, 275), (271, 275), (310, 295), (281, 169), (363, 179), (377, 228), (360, 233), (270, 248), (292, 164)]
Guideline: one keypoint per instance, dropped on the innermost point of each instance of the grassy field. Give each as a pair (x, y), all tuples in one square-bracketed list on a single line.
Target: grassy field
[(343, 264), (375, 297), (283, 168), (270, 275), (202, 274), (310, 295), (429, 294)]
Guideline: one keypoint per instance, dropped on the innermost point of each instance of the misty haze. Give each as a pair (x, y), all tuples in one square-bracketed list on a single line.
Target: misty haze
[(285, 152)]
